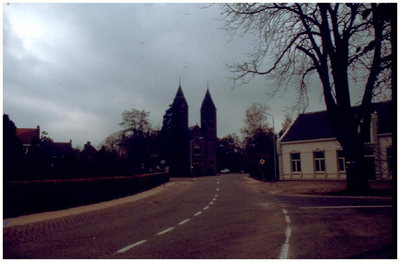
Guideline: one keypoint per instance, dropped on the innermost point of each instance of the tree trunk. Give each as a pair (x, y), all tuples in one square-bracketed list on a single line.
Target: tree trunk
[(353, 147), (357, 180)]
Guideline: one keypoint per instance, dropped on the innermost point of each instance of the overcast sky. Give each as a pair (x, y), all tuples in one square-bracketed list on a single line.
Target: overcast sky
[(74, 69)]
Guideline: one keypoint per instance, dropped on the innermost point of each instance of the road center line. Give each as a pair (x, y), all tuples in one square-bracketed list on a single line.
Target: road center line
[(165, 231), (131, 246), (214, 199), (207, 207), (184, 221), (338, 207), (212, 202), (216, 195), (198, 213), (217, 188)]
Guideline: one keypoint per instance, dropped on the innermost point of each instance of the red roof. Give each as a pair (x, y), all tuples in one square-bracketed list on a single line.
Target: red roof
[(28, 134)]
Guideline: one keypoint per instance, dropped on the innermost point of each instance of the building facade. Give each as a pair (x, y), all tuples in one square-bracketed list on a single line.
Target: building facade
[(309, 150)]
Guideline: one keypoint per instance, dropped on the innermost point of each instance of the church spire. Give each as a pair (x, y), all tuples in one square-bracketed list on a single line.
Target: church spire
[(180, 99), (208, 103)]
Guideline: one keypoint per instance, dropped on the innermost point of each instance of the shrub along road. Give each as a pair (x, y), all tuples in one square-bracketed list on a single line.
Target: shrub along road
[(227, 216)]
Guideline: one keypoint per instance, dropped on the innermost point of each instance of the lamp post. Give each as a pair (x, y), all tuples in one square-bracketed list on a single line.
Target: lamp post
[(274, 144)]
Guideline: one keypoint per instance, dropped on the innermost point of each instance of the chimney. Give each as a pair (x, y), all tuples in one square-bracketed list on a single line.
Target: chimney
[(87, 144), (38, 132)]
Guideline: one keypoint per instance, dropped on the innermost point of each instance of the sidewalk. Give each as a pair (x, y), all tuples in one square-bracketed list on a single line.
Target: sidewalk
[(383, 188)]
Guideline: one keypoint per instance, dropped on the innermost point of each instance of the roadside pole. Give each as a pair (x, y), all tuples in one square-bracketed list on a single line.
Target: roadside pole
[(162, 162), (262, 162)]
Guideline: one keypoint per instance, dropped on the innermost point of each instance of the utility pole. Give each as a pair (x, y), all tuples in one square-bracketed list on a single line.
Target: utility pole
[(274, 144)]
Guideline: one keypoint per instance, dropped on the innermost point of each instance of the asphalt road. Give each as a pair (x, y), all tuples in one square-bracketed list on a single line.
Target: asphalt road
[(210, 218)]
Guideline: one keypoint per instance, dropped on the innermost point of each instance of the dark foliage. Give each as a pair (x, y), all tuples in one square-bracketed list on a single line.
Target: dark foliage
[(260, 146)]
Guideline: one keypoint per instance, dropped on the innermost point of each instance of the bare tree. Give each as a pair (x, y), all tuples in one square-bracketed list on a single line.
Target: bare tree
[(112, 142), (136, 121), (286, 124), (255, 120), (344, 44)]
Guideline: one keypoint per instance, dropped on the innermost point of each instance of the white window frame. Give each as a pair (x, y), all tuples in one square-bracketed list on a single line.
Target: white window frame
[(319, 162), (341, 158), (295, 163)]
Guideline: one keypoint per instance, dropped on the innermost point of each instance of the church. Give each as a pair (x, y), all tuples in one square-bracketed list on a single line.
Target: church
[(190, 151)]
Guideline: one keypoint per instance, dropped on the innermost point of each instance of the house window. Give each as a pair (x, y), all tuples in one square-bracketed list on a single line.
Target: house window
[(196, 150), (296, 165), (319, 161), (341, 161)]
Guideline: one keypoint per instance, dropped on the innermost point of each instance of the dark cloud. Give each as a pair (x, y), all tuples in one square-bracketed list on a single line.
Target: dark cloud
[(77, 67)]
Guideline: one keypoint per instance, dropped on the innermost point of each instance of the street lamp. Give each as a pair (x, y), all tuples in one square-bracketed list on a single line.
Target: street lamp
[(274, 143)]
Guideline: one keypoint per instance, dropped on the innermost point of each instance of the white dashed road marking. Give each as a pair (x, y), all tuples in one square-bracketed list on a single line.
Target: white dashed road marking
[(184, 221), (168, 229), (131, 246), (165, 231)]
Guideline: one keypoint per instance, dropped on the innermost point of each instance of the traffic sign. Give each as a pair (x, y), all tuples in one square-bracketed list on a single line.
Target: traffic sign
[(262, 161)]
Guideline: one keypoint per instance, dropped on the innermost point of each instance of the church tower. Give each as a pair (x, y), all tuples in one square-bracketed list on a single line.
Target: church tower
[(208, 116), (181, 108), (179, 135)]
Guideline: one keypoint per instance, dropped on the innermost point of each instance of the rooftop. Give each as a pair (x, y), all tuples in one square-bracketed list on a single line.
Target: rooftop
[(315, 125)]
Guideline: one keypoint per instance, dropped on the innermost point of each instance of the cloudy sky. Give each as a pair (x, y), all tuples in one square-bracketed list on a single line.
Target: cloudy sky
[(74, 69)]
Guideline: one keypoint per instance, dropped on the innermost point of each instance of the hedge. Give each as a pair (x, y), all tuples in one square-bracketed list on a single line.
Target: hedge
[(28, 197)]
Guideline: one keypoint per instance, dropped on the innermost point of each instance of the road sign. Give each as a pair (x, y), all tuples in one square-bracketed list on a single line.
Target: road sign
[(262, 161)]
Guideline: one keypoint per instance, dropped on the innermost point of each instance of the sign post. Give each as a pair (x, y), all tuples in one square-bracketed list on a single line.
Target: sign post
[(162, 164), (262, 162)]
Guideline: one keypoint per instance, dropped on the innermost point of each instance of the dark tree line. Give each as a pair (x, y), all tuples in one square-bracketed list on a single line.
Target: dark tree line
[(130, 155), (138, 149)]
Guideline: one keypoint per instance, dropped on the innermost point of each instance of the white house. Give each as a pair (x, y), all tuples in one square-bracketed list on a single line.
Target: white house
[(310, 151)]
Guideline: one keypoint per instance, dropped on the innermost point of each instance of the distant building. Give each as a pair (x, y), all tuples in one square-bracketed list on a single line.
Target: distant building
[(88, 153), (61, 149), (309, 149), (190, 150), (29, 137)]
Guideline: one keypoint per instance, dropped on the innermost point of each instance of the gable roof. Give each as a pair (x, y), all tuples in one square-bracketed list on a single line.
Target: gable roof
[(28, 134), (315, 125), (195, 131)]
